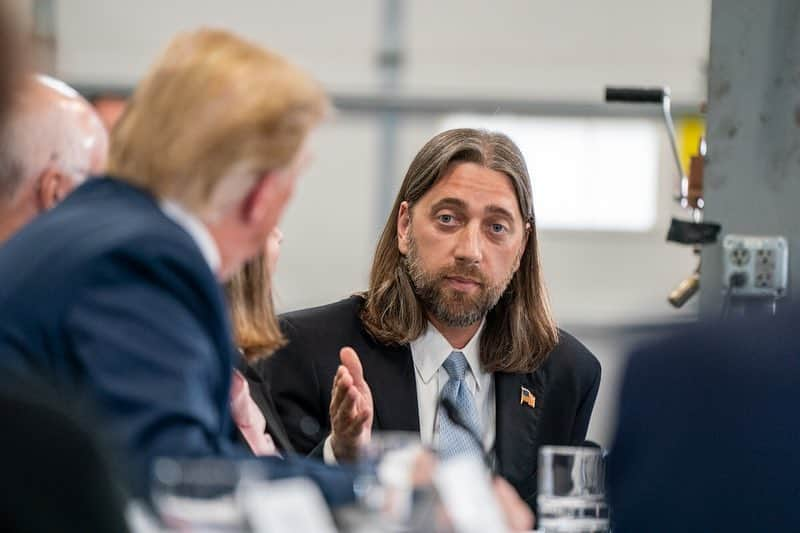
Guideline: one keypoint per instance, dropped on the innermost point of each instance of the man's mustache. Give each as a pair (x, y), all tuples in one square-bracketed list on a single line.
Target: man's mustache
[(470, 273)]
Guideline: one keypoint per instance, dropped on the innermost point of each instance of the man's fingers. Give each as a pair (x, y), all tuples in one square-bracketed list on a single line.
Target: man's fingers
[(339, 417), (336, 378), (342, 374), (342, 384), (350, 360), (346, 420), (364, 405), (347, 406), (338, 392), (351, 402), (516, 511), (423, 468), (360, 420)]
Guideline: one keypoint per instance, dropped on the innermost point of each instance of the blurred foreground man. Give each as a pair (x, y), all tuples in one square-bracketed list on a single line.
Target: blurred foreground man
[(114, 296), (41, 491), (51, 142), (456, 309), (708, 437)]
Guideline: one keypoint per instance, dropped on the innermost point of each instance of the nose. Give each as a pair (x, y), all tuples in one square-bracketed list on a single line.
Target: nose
[(469, 244)]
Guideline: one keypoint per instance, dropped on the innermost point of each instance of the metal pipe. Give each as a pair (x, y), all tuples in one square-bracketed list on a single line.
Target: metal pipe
[(435, 105), (683, 183), (390, 61)]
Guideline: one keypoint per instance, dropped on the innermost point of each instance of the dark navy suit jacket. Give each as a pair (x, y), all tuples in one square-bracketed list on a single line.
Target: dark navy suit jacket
[(109, 300), (709, 431)]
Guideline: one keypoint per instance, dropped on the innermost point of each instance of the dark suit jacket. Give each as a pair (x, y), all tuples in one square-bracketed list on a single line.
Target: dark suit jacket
[(260, 391), (55, 474), (301, 375), (709, 433), (109, 299)]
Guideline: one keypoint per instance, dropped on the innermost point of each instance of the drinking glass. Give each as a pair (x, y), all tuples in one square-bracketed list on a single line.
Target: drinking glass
[(571, 494), (393, 486), (201, 495)]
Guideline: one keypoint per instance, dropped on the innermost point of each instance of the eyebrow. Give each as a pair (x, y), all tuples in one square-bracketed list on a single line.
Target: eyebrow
[(497, 210), (456, 203)]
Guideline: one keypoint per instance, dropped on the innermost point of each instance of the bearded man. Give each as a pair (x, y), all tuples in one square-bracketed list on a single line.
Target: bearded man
[(456, 309)]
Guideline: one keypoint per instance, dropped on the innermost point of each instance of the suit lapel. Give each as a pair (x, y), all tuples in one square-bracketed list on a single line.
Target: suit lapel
[(389, 371), (259, 391), (517, 437)]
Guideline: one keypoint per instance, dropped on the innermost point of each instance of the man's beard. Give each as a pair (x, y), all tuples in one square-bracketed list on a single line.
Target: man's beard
[(451, 307)]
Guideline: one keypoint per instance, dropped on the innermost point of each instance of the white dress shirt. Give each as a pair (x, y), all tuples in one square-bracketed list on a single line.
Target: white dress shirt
[(196, 230), (429, 353)]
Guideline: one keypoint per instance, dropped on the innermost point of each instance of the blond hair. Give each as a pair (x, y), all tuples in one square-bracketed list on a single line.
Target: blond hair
[(520, 331), (211, 116), (252, 312)]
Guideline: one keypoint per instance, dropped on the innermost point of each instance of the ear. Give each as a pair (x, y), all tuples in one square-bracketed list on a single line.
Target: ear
[(53, 186), (403, 227), (260, 202), (253, 205), (525, 240)]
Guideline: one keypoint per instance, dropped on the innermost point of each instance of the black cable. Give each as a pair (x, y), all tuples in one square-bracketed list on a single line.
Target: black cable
[(737, 279), (452, 412)]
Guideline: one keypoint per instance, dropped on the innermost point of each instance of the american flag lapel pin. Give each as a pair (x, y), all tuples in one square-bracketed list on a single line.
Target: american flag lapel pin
[(526, 397)]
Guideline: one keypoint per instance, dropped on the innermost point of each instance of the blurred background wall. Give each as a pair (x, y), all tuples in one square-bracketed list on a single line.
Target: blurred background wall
[(529, 60)]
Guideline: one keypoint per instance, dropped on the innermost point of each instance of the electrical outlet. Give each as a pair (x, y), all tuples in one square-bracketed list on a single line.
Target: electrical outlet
[(755, 266)]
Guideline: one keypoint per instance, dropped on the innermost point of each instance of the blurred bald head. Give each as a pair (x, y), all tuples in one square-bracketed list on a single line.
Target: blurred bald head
[(51, 140)]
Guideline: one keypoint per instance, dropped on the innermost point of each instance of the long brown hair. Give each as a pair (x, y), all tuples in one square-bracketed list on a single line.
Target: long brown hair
[(252, 310), (520, 331)]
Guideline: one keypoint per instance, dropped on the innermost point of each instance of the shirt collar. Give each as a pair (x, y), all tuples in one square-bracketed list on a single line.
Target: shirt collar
[(196, 230), (430, 351)]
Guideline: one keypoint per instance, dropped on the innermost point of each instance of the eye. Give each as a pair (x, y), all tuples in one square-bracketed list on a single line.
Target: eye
[(446, 219), (498, 228)]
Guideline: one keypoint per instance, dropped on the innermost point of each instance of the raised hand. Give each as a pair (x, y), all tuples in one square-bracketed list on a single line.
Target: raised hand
[(351, 408)]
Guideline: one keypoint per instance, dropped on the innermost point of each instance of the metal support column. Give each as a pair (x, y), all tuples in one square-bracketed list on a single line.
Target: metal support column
[(43, 19), (390, 63), (752, 176)]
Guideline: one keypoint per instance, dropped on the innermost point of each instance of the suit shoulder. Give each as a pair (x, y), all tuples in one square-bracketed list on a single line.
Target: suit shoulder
[(322, 319), (570, 355), (133, 225), (102, 233), (706, 346), (153, 250), (314, 337)]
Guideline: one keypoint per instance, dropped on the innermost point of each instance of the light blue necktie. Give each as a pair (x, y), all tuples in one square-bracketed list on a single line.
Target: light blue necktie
[(454, 440)]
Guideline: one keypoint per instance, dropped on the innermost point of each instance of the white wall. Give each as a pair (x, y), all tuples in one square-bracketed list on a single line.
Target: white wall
[(535, 49), (525, 48)]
